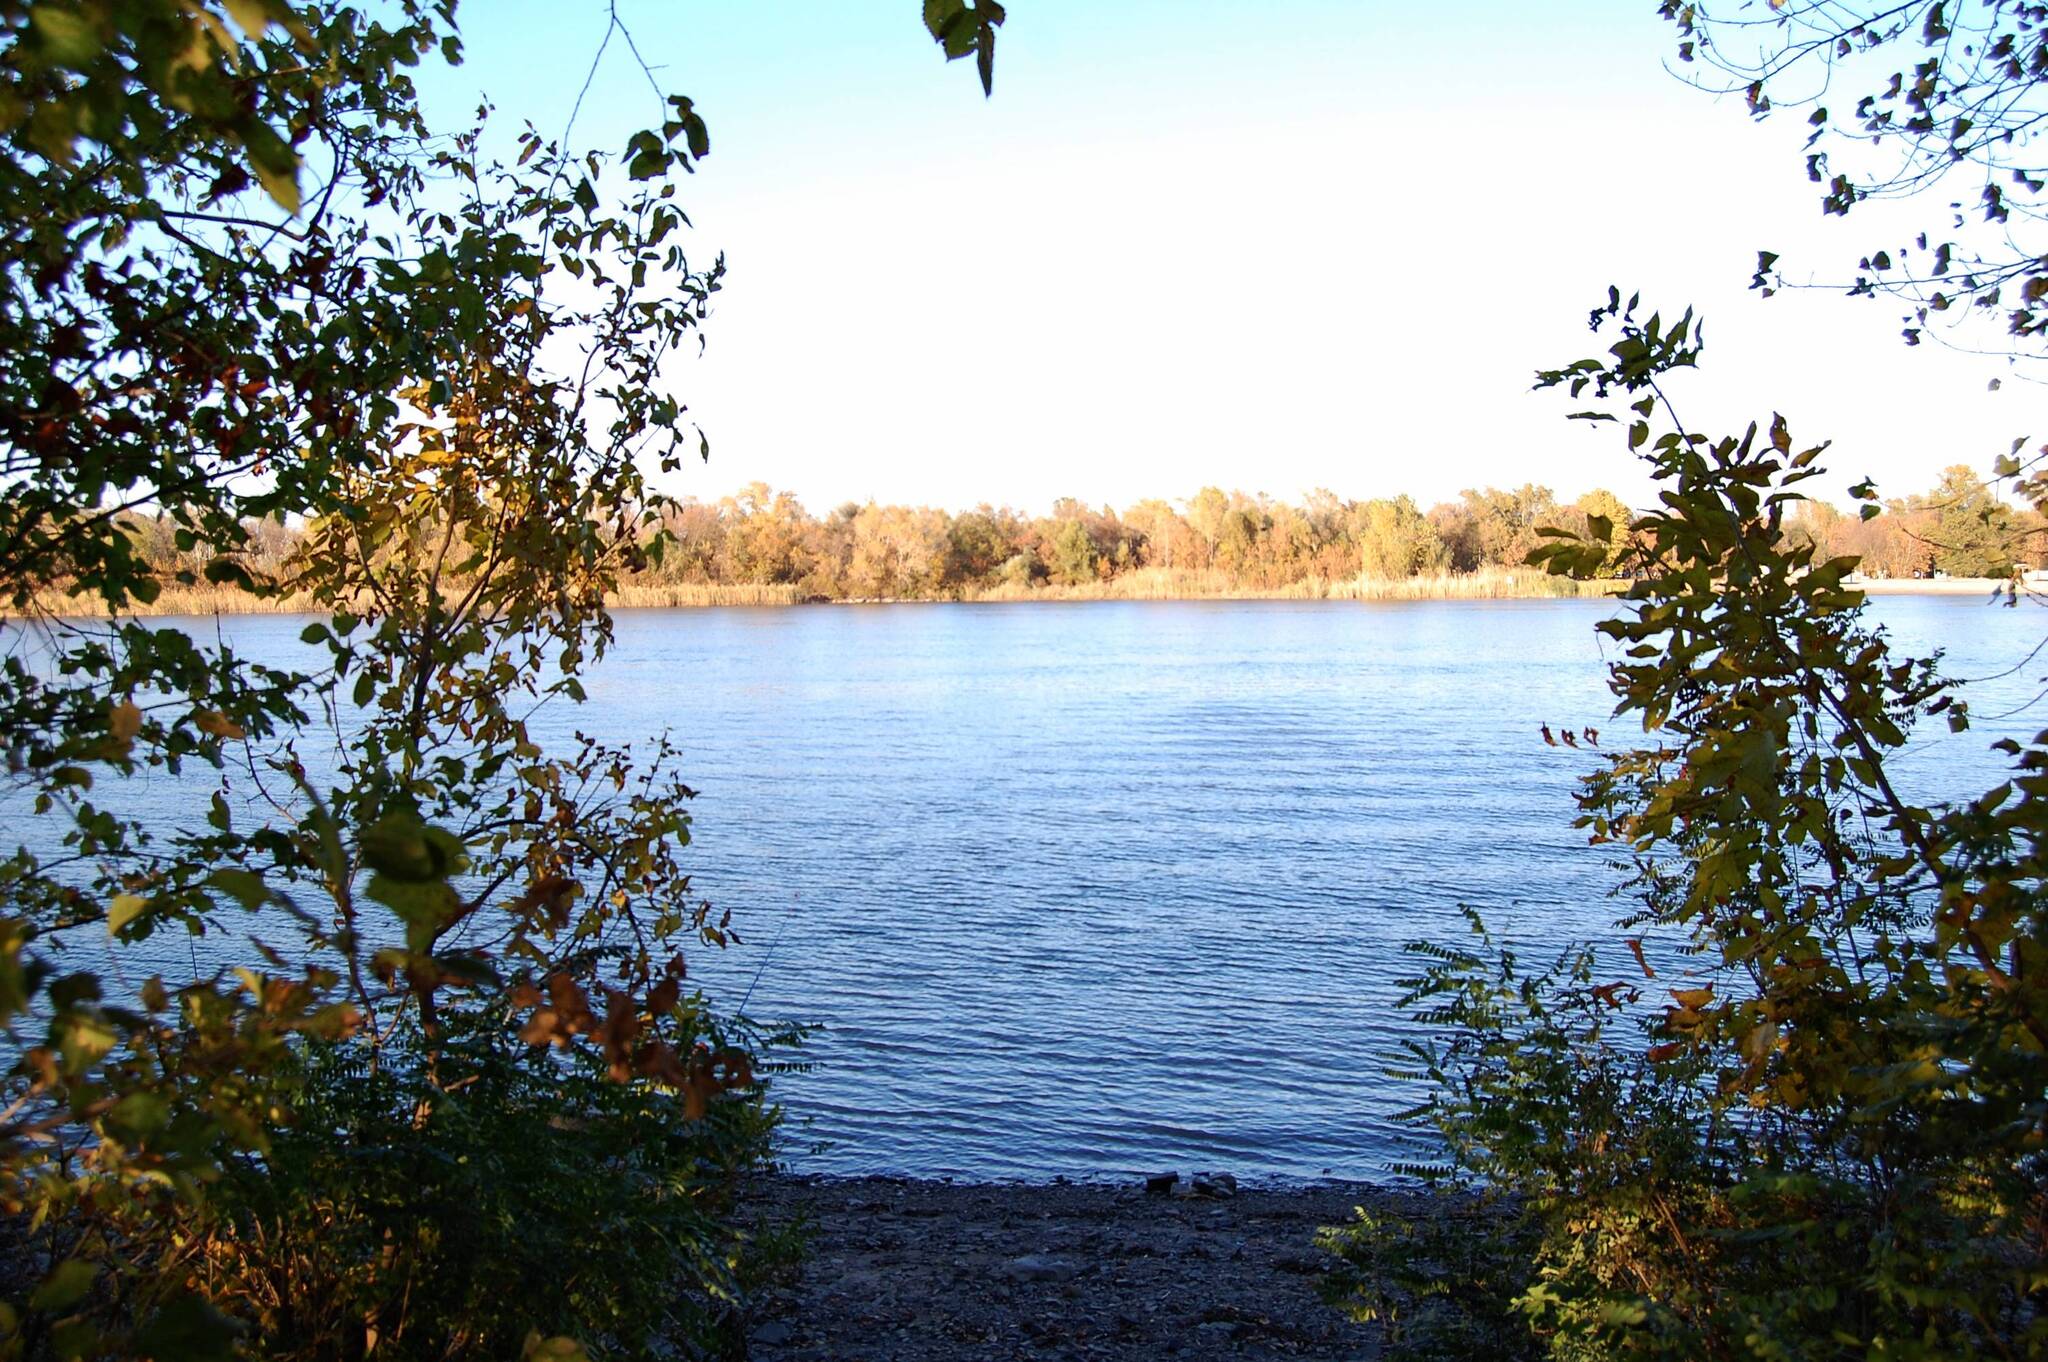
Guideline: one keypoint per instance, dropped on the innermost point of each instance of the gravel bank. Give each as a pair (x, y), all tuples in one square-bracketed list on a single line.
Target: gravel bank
[(909, 1270)]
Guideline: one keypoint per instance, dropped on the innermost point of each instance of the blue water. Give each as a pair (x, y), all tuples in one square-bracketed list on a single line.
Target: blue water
[(1091, 889)]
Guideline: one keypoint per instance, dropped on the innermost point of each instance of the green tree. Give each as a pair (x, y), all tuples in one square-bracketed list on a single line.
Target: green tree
[(1071, 554), (1805, 1116), (1972, 532), (1395, 539)]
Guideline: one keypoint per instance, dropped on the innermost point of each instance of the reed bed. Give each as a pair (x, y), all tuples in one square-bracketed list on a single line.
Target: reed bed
[(1491, 584), (679, 595), (1163, 584), (1142, 584), (171, 601)]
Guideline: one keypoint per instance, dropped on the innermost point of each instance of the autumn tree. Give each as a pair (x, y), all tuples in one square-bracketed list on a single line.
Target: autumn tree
[(763, 539), (245, 287)]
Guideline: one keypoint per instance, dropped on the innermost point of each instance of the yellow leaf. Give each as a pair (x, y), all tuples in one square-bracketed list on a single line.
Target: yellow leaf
[(124, 720), (282, 185), (124, 909), (1760, 1042), (251, 16)]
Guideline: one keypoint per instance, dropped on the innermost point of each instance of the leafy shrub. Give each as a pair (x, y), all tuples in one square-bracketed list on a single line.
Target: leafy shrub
[(524, 1191), (1826, 1139)]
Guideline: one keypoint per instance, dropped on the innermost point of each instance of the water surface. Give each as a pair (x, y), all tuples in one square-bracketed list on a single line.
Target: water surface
[(1088, 889), (1092, 889)]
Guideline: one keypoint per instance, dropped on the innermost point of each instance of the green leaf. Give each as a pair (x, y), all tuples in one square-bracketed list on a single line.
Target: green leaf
[(139, 1114), (246, 887), (64, 1287), (275, 163), (66, 36), (82, 1039), (648, 157), (939, 13), (189, 1329)]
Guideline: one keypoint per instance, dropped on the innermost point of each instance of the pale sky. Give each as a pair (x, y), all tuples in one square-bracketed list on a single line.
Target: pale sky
[(1264, 244)]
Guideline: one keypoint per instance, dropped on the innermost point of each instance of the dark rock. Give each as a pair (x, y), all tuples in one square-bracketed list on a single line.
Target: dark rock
[(1161, 1184), (773, 1334)]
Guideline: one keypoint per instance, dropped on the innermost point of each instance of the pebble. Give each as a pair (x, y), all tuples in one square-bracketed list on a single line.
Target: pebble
[(1039, 1267)]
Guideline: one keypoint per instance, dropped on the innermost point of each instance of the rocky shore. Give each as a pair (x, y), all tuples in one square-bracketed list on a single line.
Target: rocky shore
[(908, 1270)]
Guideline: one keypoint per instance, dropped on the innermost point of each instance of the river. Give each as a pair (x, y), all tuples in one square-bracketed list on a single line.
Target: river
[(1096, 889)]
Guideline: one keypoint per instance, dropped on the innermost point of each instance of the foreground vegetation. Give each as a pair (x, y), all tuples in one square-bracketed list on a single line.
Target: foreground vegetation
[(1805, 1113), (1797, 1108), (386, 1046), (381, 1041)]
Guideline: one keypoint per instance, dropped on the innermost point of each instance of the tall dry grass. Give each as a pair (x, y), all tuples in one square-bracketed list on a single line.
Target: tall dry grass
[(1486, 584), (1141, 584), (171, 601), (180, 600), (1174, 584), (674, 595)]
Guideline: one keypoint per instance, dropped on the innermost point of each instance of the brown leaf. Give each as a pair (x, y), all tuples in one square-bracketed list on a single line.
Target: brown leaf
[(621, 1028), (1635, 945), (124, 721), (658, 1060), (542, 1027), (572, 1002), (551, 895), (217, 724), (739, 1068)]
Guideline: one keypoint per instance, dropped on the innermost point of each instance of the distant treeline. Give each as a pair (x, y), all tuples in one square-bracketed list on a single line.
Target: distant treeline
[(761, 544), (1230, 539), (1961, 528)]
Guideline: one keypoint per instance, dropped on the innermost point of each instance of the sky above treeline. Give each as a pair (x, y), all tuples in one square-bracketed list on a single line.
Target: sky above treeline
[(1273, 246)]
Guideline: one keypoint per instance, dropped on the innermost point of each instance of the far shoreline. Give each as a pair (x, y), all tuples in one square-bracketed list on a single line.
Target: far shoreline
[(1938, 586), (1491, 585)]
